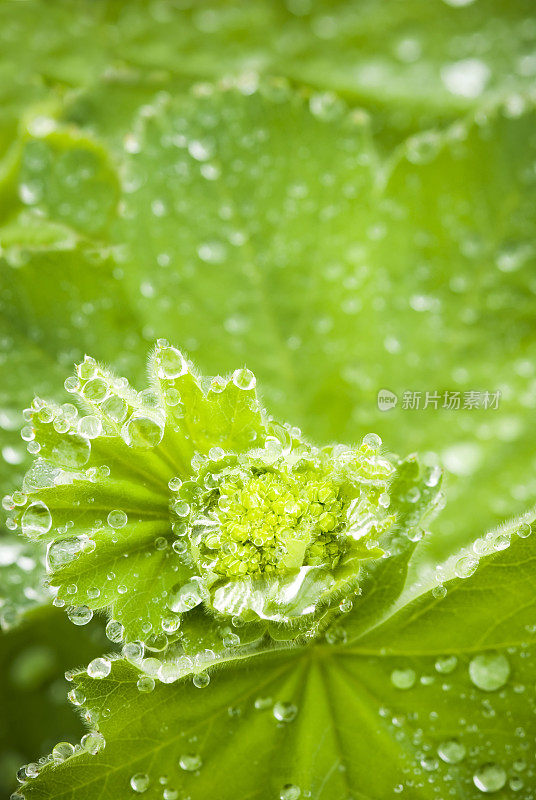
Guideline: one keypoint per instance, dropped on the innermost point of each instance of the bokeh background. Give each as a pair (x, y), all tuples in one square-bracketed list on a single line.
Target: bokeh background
[(339, 195)]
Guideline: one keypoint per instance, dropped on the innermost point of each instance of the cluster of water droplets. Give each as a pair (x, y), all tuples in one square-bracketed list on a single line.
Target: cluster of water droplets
[(92, 743), (466, 562), (489, 674)]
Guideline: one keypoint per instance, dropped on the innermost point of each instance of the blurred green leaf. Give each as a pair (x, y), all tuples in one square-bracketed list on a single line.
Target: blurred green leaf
[(410, 61), (264, 228), (33, 691)]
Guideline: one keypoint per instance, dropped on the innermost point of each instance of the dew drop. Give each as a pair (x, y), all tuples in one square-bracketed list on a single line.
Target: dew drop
[(466, 566), (133, 651), (93, 742), (489, 778), (62, 552), (95, 390), (90, 427), (117, 519), (170, 624), (185, 597), (403, 678), (244, 379), (489, 671), (77, 697), (115, 631), (145, 683), (372, 441), (524, 530), (230, 639), (174, 484), (446, 665), (142, 432), (36, 520), (451, 751), (201, 680), (171, 363), (190, 762), (140, 782), (285, 712), (290, 792), (261, 703), (115, 408), (80, 615), (99, 668), (181, 508), (62, 751)]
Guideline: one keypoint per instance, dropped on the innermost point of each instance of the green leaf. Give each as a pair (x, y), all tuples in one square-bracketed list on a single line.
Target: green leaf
[(410, 62), (437, 696), (35, 710)]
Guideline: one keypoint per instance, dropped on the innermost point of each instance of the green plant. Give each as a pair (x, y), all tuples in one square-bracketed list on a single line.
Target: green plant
[(228, 551), (335, 197)]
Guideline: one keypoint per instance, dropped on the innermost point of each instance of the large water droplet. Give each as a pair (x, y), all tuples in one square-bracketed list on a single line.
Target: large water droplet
[(244, 379), (489, 671), (115, 408), (451, 751), (446, 664), (285, 712), (185, 597), (62, 751), (90, 426), (171, 363), (466, 566), (72, 451), (99, 668), (190, 762), (93, 742), (403, 678), (201, 679), (145, 683), (489, 778), (140, 782), (115, 631), (36, 520), (117, 519), (62, 552), (95, 390), (290, 792), (80, 615), (142, 432)]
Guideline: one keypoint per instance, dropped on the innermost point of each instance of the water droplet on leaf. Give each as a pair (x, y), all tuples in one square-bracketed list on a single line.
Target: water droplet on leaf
[(489, 671), (99, 668), (403, 678), (140, 782), (489, 778)]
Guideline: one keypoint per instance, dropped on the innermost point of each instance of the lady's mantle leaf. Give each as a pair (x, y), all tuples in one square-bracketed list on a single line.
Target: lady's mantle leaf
[(424, 701), (186, 495)]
